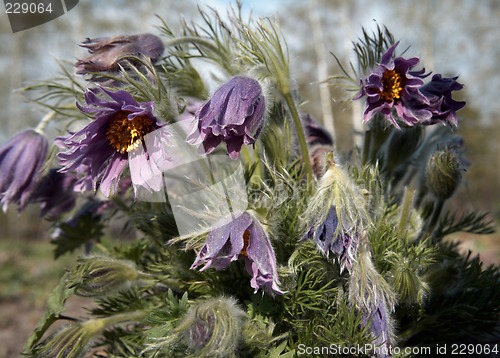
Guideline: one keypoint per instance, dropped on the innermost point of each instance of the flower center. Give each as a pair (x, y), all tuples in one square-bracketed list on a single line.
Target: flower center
[(391, 81), (124, 134), (246, 242)]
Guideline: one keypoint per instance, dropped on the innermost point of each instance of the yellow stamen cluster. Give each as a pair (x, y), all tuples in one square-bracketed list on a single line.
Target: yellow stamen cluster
[(391, 81), (124, 134), (246, 242)]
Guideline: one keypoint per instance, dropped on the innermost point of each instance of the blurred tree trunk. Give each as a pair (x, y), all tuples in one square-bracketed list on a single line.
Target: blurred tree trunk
[(322, 68)]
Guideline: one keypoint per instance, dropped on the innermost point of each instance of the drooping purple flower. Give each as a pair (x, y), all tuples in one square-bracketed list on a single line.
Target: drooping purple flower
[(21, 159), (379, 325), (342, 245), (244, 239), (99, 152), (106, 53), (372, 298), (234, 115), (442, 106), (390, 86), (315, 132), (55, 193)]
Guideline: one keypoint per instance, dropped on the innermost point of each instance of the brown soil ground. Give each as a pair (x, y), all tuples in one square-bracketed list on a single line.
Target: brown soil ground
[(18, 318)]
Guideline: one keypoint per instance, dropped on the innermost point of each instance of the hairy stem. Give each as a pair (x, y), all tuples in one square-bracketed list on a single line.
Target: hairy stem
[(431, 225), (40, 128), (300, 134), (406, 208)]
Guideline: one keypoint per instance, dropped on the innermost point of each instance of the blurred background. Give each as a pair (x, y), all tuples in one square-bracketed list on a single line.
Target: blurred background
[(452, 37)]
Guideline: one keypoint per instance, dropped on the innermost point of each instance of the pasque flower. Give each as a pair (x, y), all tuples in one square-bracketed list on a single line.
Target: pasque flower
[(21, 159), (213, 328), (99, 152), (343, 245), (107, 52), (391, 86), (320, 142), (245, 239), (315, 132), (234, 115), (372, 297), (55, 193), (441, 105), (379, 324), (443, 173), (336, 215)]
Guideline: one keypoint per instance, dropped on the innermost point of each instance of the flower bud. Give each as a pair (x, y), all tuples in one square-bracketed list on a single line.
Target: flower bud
[(336, 214), (372, 296), (401, 145), (71, 340), (443, 174), (98, 276), (213, 328)]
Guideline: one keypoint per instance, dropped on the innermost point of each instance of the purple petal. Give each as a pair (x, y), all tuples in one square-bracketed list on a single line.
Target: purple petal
[(261, 261), (112, 174), (387, 56), (224, 243)]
